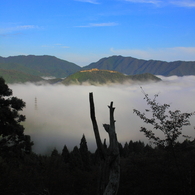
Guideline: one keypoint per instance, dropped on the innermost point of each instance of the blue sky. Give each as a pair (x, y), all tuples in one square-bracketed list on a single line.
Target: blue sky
[(83, 31)]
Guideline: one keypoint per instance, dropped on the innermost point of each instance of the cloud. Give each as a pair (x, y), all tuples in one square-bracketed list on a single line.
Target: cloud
[(183, 3), (8, 34), (26, 27), (88, 1), (61, 115), (165, 54), (155, 2), (8, 30), (99, 25), (65, 47), (56, 45)]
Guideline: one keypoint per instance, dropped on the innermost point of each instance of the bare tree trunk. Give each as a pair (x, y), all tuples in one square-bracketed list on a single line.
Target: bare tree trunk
[(110, 165)]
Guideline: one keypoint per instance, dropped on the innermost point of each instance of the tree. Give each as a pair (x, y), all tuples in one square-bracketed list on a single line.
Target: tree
[(65, 154), (170, 123), (85, 153), (54, 153), (76, 159), (167, 121), (12, 138), (110, 157)]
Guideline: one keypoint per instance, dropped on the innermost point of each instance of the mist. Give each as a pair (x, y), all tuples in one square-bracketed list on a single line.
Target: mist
[(60, 115)]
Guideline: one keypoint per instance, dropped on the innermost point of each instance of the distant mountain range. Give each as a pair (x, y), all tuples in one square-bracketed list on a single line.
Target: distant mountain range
[(34, 68), (132, 66), (39, 65)]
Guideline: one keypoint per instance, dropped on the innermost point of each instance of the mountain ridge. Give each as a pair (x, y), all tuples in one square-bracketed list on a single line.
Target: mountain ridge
[(51, 66), (43, 65), (132, 66)]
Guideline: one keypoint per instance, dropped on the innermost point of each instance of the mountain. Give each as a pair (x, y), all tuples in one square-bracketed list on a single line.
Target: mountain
[(133, 66), (96, 77), (50, 66), (39, 65), (13, 76)]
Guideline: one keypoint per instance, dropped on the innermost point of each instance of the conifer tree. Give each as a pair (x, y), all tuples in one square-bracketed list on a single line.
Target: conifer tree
[(54, 153), (65, 154), (84, 153), (75, 159)]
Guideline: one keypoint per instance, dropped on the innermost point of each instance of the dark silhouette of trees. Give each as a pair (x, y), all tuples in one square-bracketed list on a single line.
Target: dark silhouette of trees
[(146, 170), (85, 154), (12, 138), (65, 154)]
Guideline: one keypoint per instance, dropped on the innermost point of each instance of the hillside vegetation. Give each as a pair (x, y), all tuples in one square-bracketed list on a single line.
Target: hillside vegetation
[(96, 76), (132, 66), (12, 76), (144, 170), (39, 65)]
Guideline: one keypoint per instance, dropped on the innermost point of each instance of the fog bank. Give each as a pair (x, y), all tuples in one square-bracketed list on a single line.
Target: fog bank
[(60, 114)]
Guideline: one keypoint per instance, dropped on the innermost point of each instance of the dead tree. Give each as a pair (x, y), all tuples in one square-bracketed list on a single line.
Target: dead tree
[(110, 157)]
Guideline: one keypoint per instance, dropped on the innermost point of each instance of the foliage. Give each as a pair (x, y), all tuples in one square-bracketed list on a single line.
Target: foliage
[(12, 138), (144, 170), (144, 77), (167, 121), (96, 76)]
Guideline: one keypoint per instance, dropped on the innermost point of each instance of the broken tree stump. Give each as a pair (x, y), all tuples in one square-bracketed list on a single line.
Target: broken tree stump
[(110, 157)]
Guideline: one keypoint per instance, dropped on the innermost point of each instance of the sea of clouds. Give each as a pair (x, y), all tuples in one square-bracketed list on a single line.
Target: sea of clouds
[(61, 115)]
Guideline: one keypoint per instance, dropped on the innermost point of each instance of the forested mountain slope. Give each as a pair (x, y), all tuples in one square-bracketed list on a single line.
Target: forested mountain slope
[(13, 76), (39, 65), (96, 77), (132, 66)]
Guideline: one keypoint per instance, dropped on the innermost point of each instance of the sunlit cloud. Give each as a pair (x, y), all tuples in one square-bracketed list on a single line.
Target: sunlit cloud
[(184, 3), (89, 1), (166, 54), (99, 25)]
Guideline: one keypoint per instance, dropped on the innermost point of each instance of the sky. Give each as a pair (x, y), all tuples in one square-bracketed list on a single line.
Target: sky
[(84, 31), (62, 114)]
